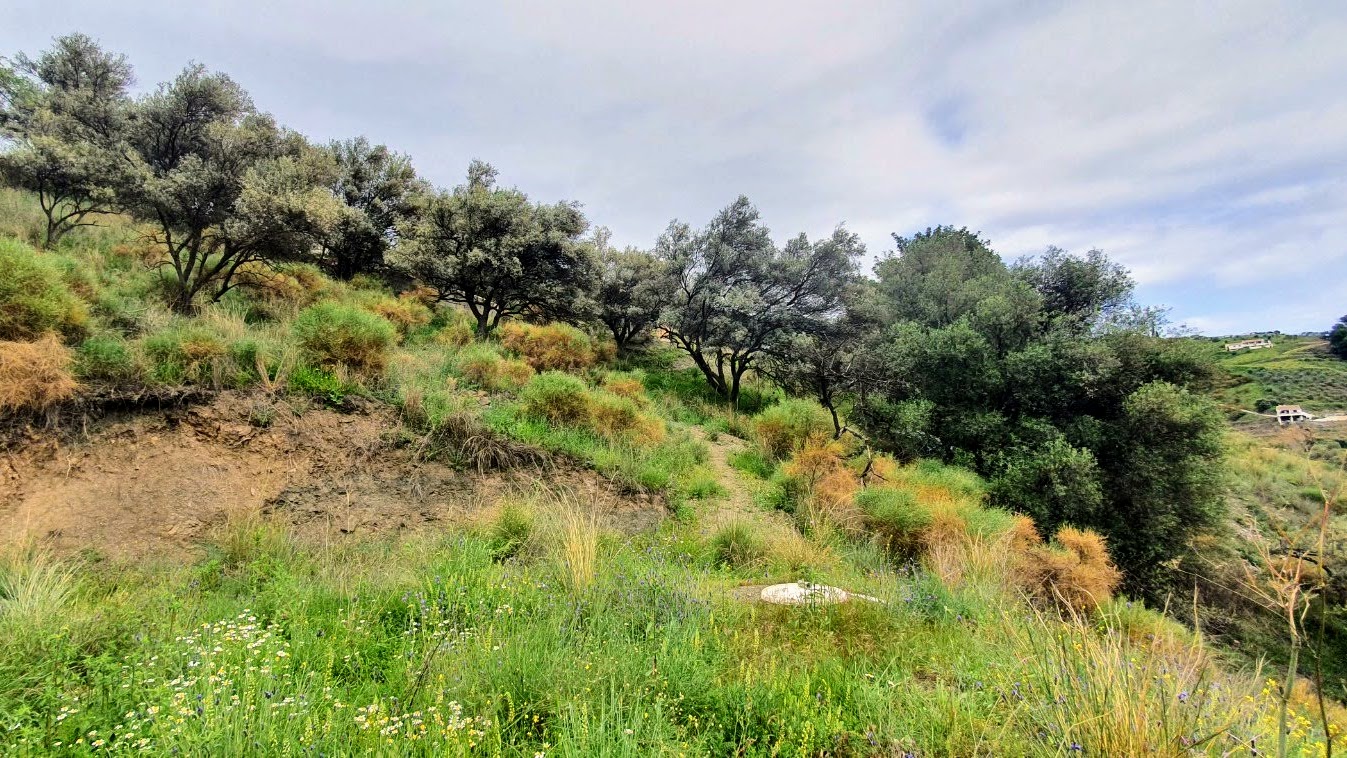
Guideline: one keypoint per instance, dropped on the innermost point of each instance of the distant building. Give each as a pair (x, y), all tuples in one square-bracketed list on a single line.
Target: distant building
[(1289, 414), (1257, 344)]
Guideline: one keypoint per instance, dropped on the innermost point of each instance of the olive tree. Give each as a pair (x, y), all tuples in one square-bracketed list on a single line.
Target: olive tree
[(379, 188), (735, 294), (223, 184), (64, 115), (497, 253), (634, 287)]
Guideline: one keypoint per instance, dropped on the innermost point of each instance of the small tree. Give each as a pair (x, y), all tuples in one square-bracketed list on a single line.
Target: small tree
[(65, 114), (735, 294), (1337, 338), (223, 184), (497, 253), (634, 287), (821, 365), (379, 188)]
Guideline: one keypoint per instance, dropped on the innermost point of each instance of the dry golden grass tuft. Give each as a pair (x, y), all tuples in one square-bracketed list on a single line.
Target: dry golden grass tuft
[(829, 486), (552, 347), (1074, 572), (35, 375), (628, 387), (404, 313)]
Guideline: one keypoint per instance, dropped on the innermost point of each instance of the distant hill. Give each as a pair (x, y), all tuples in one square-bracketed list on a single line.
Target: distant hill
[(1296, 370)]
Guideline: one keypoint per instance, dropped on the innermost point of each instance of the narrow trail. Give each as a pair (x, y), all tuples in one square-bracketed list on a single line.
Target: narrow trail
[(738, 502)]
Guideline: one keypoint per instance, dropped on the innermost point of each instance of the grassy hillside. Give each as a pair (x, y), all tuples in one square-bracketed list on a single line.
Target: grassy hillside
[(527, 625), (1294, 371)]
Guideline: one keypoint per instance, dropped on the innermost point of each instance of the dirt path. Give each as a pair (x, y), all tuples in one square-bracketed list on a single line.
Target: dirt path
[(738, 502)]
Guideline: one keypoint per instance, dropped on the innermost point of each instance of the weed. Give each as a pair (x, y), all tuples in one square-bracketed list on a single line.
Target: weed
[(35, 375)]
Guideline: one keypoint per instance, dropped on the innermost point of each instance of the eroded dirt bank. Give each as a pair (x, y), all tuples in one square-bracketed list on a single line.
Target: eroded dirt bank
[(155, 483)]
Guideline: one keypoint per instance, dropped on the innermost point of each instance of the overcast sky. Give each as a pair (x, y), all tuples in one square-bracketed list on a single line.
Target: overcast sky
[(1201, 144)]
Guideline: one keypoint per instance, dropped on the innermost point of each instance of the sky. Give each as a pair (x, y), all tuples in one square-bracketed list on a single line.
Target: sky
[(1201, 144)]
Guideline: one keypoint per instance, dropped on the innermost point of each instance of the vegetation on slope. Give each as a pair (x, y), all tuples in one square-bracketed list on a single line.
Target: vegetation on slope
[(991, 451)]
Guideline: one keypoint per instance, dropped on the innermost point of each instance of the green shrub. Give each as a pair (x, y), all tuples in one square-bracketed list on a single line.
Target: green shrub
[(786, 426), (557, 397), (736, 544), (318, 383), (485, 367), (186, 353), (332, 334), (753, 463), (33, 297), (107, 358), (896, 519), (511, 532)]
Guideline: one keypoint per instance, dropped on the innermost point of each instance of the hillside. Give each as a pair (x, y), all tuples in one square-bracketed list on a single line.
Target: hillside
[(321, 516), (1294, 371)]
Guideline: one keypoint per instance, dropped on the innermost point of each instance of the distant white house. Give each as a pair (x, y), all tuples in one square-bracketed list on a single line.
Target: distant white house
[(1289, 414), (1257, 344)]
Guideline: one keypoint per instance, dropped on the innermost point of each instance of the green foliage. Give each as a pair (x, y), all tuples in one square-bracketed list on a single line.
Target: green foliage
[(895, 517), (318, 383), (456, 244), (66, 115), (737, 294), (1055, 483), (1164, 478), (557, 397), (223, 184), (33, 297), (484, 366), (379, 189), (634, 286), (789, 424), (334, 335), (752, 462), (107, 358), (736, 544), (512, 531), (1337, 338)]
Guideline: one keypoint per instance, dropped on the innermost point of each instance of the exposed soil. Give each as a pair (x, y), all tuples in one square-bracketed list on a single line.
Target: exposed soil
[(737, 504), (154, 484)]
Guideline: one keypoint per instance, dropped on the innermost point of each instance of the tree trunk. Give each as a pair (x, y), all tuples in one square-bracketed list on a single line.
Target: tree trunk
[(183, 302)]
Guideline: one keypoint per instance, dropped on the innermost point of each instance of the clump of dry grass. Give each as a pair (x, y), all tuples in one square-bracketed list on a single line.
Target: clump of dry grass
[(829, 487), (614, 416), (627, 386), (405, 313), (1074, 572), (35, 375), (579, 546), (552, 347), (791, 424)]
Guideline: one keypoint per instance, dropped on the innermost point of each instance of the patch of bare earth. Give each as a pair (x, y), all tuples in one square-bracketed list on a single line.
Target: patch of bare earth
[(738, 503), (147, 485)]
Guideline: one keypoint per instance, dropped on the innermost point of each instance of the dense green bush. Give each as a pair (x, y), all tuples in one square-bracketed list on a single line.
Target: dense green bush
[(896, 519), (33, 297), (107, 358), (786, 426), (557, 397), (332, 334)]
